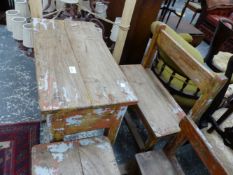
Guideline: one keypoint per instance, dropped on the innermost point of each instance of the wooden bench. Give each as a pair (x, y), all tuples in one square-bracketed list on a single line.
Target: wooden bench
[(165, 162), (157, 110)]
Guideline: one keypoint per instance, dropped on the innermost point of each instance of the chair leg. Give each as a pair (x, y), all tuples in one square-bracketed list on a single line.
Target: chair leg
[(194, 15)]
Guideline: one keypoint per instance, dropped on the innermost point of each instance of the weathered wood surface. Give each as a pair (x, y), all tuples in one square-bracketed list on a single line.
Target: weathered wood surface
[(209, 82), (66, 123), (85, 157), (75, 69), (159, 108), (155, 163), (222, 152), (202, 146)]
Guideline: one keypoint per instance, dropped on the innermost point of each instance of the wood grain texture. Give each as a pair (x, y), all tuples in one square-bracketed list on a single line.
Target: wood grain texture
[(155, 163), (222, 152), (36, 8), (157, 105), (209, 82), (85, 157), (65, 46)]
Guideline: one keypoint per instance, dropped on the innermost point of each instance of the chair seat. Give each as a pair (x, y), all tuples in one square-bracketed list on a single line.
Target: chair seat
[(155, 163), (158, 107), (84, 157), (222, 152), (196, 7), (220, 60)]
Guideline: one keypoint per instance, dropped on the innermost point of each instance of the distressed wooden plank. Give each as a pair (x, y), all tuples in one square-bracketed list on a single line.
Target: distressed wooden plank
[(70, 122), (83, 75), (200, 144), (59, 88), (56, 158), (157, 105), (222, 152), (92, 156), (155, 163), (97, 157), (105, 83)]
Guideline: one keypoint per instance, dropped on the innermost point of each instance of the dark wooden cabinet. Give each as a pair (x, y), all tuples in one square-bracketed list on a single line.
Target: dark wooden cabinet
[(145, 13)]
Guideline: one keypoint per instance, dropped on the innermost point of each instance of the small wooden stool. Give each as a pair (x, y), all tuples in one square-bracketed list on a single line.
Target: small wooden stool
[(84, 157)]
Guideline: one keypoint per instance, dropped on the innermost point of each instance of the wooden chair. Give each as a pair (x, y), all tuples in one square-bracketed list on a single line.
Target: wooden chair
[(164, 162), (193, 6), (157, 110)]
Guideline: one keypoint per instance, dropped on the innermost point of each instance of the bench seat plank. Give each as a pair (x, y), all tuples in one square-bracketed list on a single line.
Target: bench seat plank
[(222, 152), (155, 163), (157, 105), (93, 156)]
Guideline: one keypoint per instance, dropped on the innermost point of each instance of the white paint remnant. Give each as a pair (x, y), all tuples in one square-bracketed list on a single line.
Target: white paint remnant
[(74, 120), (100, 111), (44, 171), (72, 70), (85, 142), (125, 88), (122, 112), (58, 150)]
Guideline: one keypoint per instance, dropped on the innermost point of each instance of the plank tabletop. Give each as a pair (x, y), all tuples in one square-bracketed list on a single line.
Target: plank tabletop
[(75, 68)]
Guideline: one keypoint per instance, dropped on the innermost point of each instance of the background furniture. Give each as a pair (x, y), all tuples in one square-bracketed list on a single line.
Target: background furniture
[(145, 13), (223, 32), (193, 6), (208, 22), (185, 27)]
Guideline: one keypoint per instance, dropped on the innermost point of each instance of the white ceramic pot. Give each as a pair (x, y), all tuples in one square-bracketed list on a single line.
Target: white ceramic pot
[(9, 15), (51, 8), (23, 7), (115, 29), (60, 5), (28, 35), (101, 9), (17, 27)]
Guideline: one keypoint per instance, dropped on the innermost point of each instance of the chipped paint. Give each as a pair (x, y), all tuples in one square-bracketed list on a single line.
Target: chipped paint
[(74, 120), (58, 150), (44, 170), (100, 111), (125, 88), (122, 112), (85, 142)]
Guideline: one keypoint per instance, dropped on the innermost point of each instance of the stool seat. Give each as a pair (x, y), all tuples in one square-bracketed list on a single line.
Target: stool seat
[(92, 156), (220, 60)]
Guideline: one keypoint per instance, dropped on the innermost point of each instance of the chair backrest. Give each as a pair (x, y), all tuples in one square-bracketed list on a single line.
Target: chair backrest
[(207, 81)]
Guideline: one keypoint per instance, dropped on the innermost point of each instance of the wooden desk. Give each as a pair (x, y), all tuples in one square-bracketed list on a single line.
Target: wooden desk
[(81, 87)]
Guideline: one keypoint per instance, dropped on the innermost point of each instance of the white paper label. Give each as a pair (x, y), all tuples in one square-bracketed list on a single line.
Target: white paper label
[(72, 70)]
